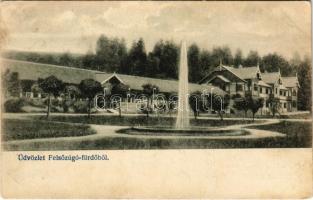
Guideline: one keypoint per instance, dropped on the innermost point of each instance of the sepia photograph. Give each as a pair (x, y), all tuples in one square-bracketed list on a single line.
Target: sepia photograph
[(155, 75), (156, 99)]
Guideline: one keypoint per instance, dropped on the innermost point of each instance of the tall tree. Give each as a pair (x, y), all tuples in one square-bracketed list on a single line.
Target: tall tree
[(164, 59), (89, 88), (305, 81), (252, 59), (195, 72), (205, 63), (222, 54), (238, 60), (89, 60), (137, 58), (52, 86), (110, 53), (274, 62)]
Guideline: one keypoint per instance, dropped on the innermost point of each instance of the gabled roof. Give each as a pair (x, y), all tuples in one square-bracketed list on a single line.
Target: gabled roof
[(290, 81), (262, 83), (220, 77), (270, 77), (170, 86), (242, 73), (230, 69), (245, 72)]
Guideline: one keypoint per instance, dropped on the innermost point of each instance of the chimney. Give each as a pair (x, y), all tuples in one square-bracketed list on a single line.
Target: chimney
[(221, 64)]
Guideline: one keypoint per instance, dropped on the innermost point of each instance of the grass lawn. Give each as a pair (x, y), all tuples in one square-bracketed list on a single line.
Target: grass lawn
[(141, 120), (18, 129), (299, 134)]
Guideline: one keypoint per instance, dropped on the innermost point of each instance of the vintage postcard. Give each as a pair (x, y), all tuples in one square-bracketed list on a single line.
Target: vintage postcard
[(150, 99)]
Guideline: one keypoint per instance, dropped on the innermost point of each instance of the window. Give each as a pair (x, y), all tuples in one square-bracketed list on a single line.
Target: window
[(28, 95), (279, 81), (276, 91), (294, 93), (261, 89), (239, 87), (266, 91), (255, 88), (294, 104), (280, 93), (285, 105)]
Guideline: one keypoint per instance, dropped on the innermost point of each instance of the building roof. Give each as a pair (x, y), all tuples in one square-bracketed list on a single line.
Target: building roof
[(242, 72), (271, 77), (220, 77), (290, 81), (262, 83), (33, 71), (245, 72), (169, 86)]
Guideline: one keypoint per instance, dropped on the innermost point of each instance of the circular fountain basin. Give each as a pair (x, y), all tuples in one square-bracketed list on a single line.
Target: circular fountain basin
[(191, 131)]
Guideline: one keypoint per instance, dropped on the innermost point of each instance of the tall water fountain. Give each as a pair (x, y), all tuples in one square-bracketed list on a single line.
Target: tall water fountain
[(182, 126), (182, 120)]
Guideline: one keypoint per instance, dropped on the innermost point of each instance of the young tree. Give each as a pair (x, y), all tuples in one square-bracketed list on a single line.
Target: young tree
[(195, 103), (255, 104), (89, 88), (242, 104), (52, 86), (217, 103), (11, 83), (120, 90), (274, 105), (149, 90)]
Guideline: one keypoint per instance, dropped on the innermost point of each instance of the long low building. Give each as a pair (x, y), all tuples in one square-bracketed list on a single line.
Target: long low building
[(29, 72)]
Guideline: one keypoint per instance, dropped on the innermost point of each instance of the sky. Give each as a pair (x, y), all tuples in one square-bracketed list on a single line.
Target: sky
[(282, 27)]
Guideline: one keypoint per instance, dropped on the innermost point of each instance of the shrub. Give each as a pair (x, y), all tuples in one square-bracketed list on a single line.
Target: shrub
[(39, 103), (66, 104), (14, 105), (80, 107), (54, 102)]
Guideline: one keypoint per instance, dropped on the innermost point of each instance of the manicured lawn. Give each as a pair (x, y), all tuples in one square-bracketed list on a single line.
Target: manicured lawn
[(141, 120), (299, 134), (18, 129)]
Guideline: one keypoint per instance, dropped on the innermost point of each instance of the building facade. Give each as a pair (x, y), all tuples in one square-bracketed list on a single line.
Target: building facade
[(238, 82)]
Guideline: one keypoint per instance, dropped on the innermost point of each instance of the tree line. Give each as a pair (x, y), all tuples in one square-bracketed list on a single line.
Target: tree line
[(112, 55)]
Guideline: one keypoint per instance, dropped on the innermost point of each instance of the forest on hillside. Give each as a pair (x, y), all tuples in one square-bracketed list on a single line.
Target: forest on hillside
[(112, 55)]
